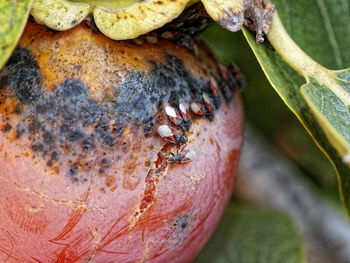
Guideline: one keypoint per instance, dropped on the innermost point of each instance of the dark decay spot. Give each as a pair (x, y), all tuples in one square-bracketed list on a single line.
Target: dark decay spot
[(54, 156), (104, 162), (124, 147), (73, 172), (74, 136), (181, 223), (88, 143), (17, 110), (7, 127), (67, 120), (19, 131), (22, 74), (48, 138), (38, 147)]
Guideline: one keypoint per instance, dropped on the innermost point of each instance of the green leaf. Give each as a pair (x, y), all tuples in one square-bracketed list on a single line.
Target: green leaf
[(322, 103), (248, 235), (13, 18), (331, 112)]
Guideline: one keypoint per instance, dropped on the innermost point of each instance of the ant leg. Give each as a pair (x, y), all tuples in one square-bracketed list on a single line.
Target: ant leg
[(181, 148)]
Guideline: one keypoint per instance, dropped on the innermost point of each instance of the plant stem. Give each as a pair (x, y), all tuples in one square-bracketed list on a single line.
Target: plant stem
[(300, 61), (290, 51)]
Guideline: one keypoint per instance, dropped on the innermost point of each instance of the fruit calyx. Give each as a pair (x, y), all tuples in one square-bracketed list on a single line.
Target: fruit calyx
[(128, 19)]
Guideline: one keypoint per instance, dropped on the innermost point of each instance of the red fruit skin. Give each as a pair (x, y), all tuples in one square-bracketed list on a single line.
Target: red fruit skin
[(130, 211)]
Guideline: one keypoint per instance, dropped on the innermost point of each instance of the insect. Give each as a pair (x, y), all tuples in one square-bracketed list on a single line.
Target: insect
[(213, 85), (237, 75), (197, 108), (232, 77), (172, 135), (176, 118), (224, 72), (203, 110), (173, 115), (185, 115), (206, 101), (182, 156)]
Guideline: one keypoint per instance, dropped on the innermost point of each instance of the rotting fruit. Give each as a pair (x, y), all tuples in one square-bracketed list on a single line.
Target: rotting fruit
[(86, 174)]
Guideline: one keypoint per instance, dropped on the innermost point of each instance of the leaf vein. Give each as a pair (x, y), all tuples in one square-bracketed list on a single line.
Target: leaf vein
[(330, 32)]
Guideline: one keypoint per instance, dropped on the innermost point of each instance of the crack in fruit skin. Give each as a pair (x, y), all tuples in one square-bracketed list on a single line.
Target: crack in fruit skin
[(80, 149), (154, 175), (71, 203)]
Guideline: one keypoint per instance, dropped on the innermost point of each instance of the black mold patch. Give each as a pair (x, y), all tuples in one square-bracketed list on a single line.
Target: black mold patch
[(139, 96), (22, 74), (63, 117), (65, 125)]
